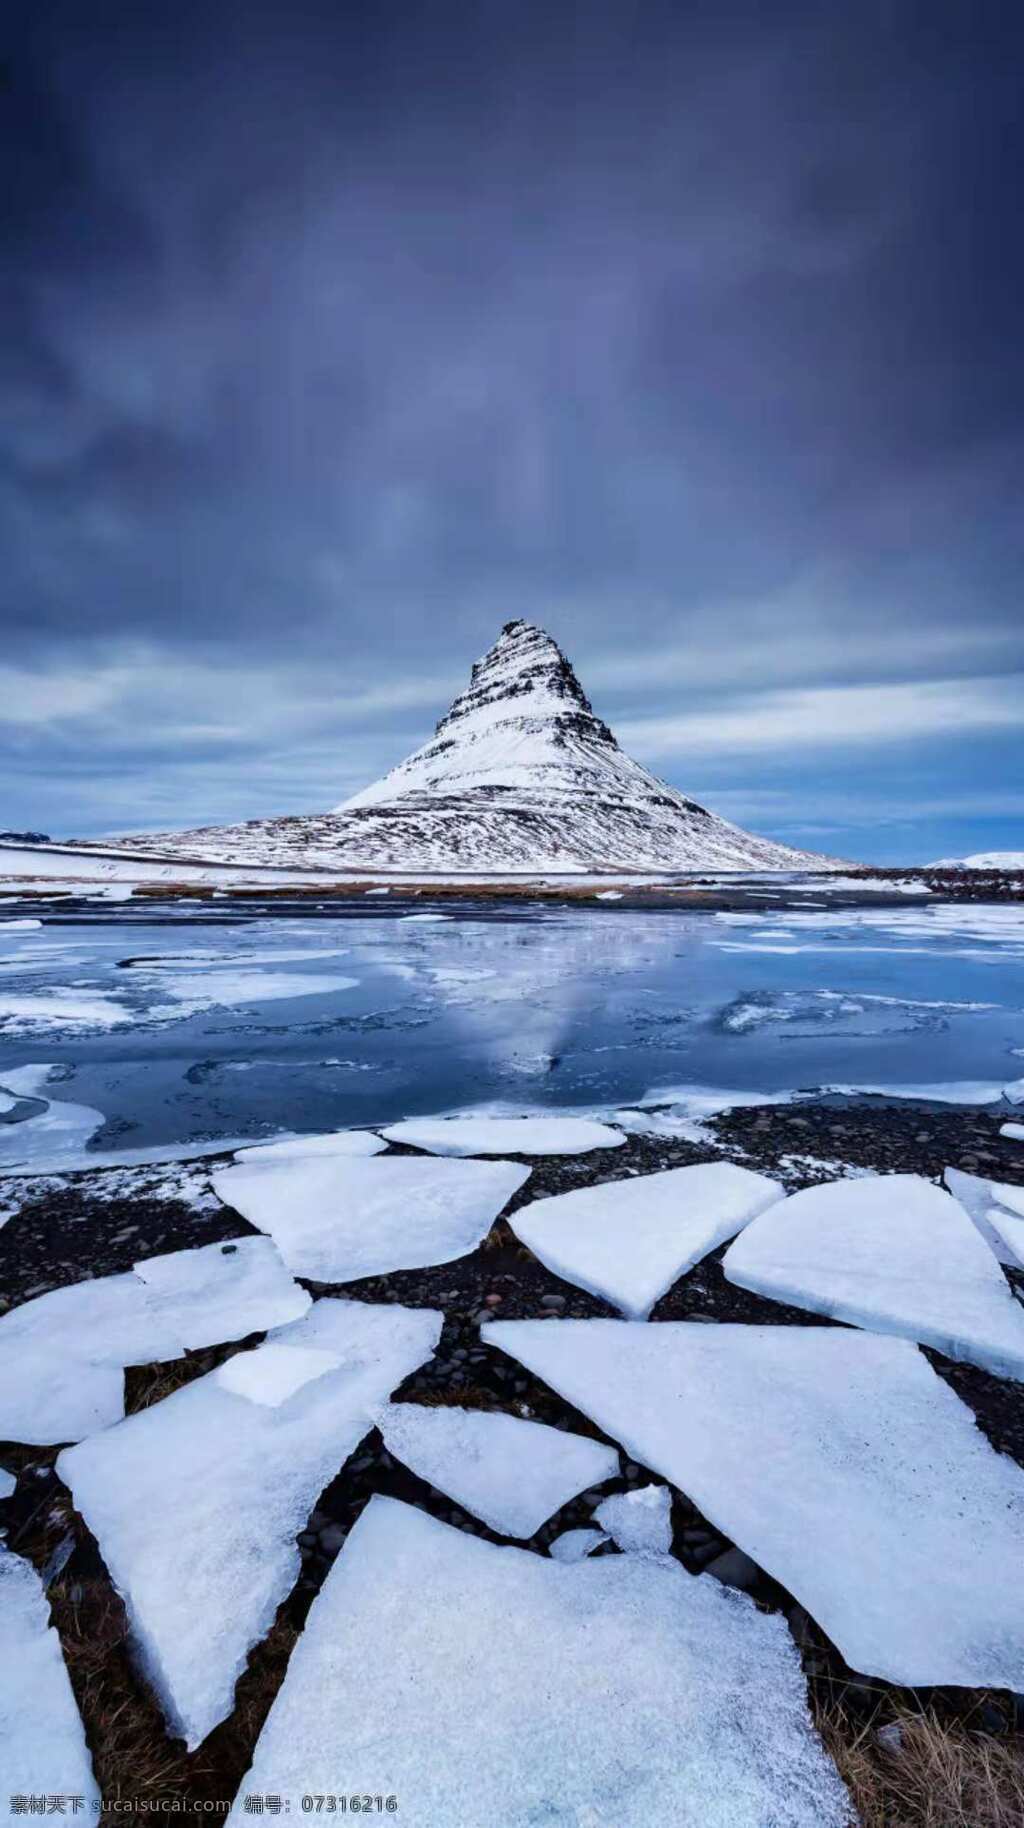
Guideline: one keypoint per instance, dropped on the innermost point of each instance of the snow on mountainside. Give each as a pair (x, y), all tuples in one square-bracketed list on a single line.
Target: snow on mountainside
[(982, 860), (520, 776)]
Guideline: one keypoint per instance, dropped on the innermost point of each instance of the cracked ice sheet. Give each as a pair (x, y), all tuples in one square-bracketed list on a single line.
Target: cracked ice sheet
[(63, 1354), (504, 1135), (840, 1461), (615, 1691), (512, 1474), (893, 1253), (639, 1522), (980, 1199), (630, 1240), (42, 1741), (336, 1219), (204, 1559)]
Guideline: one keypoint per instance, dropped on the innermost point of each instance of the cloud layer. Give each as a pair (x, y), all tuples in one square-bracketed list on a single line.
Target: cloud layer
[(335, 336)]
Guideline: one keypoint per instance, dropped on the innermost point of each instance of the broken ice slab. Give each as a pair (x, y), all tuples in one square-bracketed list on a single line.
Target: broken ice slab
[(337, 1219), (491, 1686), (838, 1460), (197, 1501)]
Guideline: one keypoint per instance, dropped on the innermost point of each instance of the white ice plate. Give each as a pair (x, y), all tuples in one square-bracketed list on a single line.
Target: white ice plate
[(639, 1522), (196, 1502), (490, 1686), (510, 1473), (63, 1354), (222, 1291), (505, 1135), (336, 1219), (630, 1240), (891, 1252), (335, 1142), (42, 1742), (576, 1545), (838, 1460), (977, 1195)]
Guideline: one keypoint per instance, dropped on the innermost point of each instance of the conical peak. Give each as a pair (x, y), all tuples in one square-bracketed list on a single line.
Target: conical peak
[(525, 674)]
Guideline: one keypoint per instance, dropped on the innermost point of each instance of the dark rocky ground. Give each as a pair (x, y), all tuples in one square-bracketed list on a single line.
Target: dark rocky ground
[(99, 1223)]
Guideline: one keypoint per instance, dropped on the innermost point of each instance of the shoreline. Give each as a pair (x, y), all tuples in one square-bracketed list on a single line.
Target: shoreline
[(100, 1221)]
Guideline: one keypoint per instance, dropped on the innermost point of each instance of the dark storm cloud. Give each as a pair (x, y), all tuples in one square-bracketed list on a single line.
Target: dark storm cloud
[(332, 336)]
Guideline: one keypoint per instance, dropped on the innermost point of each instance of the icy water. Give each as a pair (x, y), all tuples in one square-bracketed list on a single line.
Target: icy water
[(197, 1025)]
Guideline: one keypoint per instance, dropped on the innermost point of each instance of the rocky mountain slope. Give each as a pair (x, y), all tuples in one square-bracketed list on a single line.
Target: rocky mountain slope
[(519, 776)]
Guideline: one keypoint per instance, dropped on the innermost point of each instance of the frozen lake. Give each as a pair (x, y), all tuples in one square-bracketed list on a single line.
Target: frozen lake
[(189, 1023)]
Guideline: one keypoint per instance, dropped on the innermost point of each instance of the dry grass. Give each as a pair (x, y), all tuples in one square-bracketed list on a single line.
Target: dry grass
[(942, 1776)]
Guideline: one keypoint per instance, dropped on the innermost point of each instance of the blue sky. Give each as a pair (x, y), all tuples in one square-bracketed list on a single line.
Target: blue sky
[(334, 338)]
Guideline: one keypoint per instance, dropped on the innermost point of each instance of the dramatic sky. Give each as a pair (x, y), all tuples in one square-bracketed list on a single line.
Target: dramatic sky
[(334, 335)]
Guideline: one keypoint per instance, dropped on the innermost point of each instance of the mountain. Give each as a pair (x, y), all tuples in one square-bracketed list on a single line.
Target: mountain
[(519, 776), (982, 860)]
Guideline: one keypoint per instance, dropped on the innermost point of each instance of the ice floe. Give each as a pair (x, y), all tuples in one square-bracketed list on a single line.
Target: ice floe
[(334, 1142), (512, 1474), (639, 1522), (335, 1219), (838, 1460), (1015, 1131), (576, 1545), (893, 1253), (981, 1199), (63, 1354), (42, 1741), (54, 1136), (505, 1135), (515, 1689), (1010, 1232), (221, 1291), (51, 1010), (630, 1240), (204, 1557), (7, 1482)]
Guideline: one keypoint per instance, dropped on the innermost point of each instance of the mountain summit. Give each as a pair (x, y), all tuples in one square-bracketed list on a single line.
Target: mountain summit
[(520, 776)]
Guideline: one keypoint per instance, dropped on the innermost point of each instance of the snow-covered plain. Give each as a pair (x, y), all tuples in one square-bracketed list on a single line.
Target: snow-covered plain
[(510, 1473), (838, 1460), (630, 1240), (42, 1741), (203, 1557), (890, 1252), (336, 1218), (512, 1689)]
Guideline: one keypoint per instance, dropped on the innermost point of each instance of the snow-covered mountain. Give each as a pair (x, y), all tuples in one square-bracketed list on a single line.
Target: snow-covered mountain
[(520, 776), (982, 860)]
